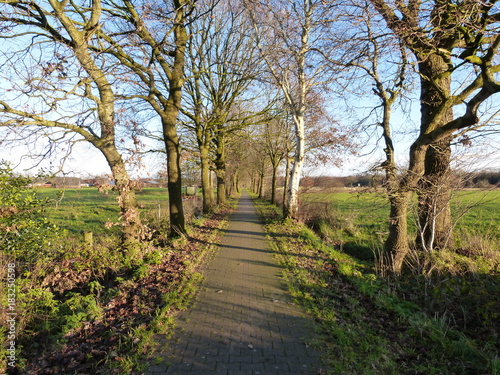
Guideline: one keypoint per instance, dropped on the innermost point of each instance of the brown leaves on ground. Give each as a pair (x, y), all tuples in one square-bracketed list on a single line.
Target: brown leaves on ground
[(91, 348)]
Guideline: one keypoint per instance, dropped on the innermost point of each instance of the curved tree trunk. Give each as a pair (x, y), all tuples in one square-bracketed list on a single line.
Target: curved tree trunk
[(174, 181), (132, 229), (133, 232)]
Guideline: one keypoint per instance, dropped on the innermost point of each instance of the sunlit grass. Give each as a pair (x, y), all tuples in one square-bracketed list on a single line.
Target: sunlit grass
[(87, 209), (377, 325), (473, 210)]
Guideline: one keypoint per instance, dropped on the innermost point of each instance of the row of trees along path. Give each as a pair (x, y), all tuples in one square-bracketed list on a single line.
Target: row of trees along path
[(242, 322), (99, 72)]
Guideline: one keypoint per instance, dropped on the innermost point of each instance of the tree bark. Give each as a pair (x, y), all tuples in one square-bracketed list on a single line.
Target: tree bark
[(261, 181), (221, 187), (397, 245), (236, 181), (174, 180), (434, 212), (133, 231), (220, 172), (285, 186), (169, 122), (273, 183), (434, 192), (206, 184), (292, 207)]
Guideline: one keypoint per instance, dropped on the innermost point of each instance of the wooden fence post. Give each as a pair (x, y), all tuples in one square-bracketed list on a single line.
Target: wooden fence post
[(88, 238)]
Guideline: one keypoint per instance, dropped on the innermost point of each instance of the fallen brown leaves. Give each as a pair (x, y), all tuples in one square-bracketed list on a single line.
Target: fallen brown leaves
[(93, 347)]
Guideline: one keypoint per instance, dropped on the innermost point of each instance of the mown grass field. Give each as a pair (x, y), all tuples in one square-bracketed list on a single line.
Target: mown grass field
[(360, 219), (87, 209)]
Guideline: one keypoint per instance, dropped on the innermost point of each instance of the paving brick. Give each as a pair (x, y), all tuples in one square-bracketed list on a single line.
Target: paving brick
[(230, 367), (180, 368), (158, 368)]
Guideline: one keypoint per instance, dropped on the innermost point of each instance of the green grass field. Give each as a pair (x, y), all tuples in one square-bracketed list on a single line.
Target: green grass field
[(86, 209), (359, 220)]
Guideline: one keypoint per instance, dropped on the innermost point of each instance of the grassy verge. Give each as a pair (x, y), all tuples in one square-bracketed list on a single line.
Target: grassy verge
[(368, 327)]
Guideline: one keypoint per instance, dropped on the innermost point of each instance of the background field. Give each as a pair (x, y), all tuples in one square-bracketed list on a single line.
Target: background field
[(358, 220), (355, 219), (86, 209)]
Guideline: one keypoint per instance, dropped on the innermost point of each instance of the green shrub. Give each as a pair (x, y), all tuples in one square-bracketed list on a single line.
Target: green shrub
[(26, 234), (78, 309), (27, 240)]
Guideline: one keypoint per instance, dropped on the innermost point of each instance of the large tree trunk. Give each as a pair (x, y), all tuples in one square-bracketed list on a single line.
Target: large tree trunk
[(169, 123), (397, 245), (174, 181), (220, 172), (133, 231), (298, 162), (206, 183), (236, 181), (434, 213), (221, 187), (400, 195)]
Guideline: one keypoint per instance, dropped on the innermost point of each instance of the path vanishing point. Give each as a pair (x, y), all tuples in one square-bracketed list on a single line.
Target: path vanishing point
[(242, 322)]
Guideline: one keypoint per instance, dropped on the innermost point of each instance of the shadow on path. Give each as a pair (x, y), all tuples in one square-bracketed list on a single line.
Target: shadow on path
[(242, 322)]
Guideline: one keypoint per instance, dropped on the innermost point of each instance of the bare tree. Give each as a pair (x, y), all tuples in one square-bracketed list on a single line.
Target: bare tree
[(148, 42), (288, 34), (381, 66), (222, 67), (53, 79), (455, 45), (275, 138)]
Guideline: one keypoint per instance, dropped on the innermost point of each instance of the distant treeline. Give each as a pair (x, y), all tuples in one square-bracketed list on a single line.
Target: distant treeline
[(484, 179)]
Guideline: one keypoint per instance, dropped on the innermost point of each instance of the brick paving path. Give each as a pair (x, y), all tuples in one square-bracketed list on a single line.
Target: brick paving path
[(241, 322)]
